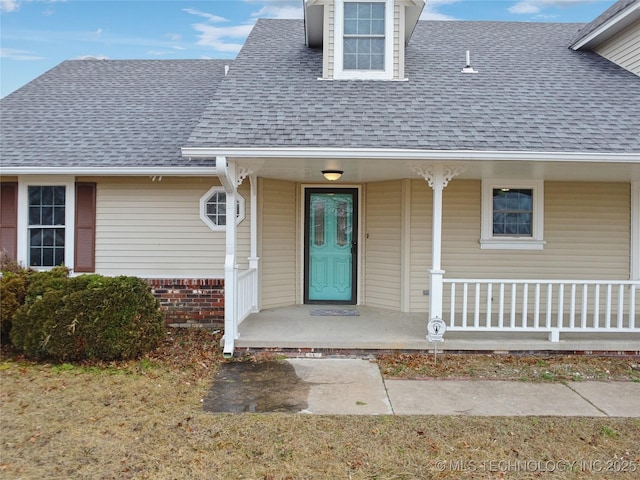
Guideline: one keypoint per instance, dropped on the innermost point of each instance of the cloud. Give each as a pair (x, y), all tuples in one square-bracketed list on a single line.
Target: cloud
[(91, 57), (208, 16), (219, 37), (278, 9), (16, 54), (430, 11), (9, 5), (99, 31), (536, 6), (176, 37)]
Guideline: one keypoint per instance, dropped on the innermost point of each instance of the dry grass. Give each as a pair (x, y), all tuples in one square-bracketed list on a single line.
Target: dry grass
[(539, 368), (144, 420)]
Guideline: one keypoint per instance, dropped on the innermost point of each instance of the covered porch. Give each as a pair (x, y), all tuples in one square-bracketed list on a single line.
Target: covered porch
[(420, 255), (294, 330)]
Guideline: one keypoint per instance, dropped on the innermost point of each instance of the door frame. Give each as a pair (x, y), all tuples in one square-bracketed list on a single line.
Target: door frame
[(355, 192)]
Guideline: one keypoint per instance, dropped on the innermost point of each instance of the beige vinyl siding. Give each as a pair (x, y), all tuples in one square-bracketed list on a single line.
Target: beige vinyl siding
[(329, 39), (421, 236), (624, 48), (153, 229), (586, 227), (383, 234), (277, 243), (397, 41)]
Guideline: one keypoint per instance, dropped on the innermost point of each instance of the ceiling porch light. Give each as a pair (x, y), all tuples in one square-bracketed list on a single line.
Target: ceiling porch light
[(332, 175)]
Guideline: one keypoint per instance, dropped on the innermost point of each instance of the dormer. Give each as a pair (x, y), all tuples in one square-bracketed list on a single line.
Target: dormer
[(361, 39)]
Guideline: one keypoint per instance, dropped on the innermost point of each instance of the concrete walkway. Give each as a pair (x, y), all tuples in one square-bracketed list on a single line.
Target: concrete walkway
[(356, 387)]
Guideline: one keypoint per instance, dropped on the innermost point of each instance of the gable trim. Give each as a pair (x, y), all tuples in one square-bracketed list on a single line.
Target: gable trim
[(609, 28)]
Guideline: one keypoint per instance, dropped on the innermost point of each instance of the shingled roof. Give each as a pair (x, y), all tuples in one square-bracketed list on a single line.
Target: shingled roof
[(532, 93), (107, 113)]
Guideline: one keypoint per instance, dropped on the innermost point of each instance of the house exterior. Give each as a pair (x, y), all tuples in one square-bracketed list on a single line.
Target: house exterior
[(489, 172)]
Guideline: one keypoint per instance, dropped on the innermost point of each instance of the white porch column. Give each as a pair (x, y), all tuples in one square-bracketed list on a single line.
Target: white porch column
[(438, 177), (226, 173), (254, 260)]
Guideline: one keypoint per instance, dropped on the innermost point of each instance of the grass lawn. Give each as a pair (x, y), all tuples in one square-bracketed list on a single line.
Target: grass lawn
[(144, 419)]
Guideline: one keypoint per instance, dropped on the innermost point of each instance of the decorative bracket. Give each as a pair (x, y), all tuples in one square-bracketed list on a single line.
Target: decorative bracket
[(437, 175), (244, 169)]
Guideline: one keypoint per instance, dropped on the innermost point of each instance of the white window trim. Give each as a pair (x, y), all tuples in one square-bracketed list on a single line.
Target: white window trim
[(23, 216), (490, 242), (203, 209), (339, 72), (635, 231)]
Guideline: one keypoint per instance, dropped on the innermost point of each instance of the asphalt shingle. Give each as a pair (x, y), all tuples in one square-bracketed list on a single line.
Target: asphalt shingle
[(532, 93), (116, 113)]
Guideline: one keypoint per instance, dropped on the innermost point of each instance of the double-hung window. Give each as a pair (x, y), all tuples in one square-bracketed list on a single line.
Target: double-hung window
[(46, 225), (512, 215), (364, 40)]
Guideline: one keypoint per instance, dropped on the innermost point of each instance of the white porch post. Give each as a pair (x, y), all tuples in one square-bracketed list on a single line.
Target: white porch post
[(226, 173), (254, 260), (438, 177)]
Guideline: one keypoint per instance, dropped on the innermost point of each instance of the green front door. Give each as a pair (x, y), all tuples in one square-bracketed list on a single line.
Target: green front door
[(330, 245)]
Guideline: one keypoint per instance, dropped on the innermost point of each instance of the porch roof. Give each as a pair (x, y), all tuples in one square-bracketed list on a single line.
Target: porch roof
[(532, 93)]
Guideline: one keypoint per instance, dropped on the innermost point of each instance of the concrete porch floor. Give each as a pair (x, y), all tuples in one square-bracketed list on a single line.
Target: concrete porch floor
[(293, 329)]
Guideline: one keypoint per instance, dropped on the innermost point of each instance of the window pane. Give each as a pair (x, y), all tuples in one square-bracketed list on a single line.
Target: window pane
[(513, 211), (349, 62), (364, 27), (364, 10), (377, 46), (377, 62), (377, 10), (34, 216), (35, 195), (59, 196), (342, 235), (47, 195), (350, 27), (351, 10), (318, 223), (364, 62), (350, 45), (377, 27)]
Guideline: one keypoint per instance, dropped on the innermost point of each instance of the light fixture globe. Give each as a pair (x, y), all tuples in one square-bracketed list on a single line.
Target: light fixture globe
[(332, 175)]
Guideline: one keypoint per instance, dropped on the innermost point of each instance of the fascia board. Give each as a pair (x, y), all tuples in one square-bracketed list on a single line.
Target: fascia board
[(609, 28), (405, 154), (110, 171)]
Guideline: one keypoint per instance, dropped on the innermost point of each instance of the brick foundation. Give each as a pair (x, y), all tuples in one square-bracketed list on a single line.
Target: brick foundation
[(186, 301)]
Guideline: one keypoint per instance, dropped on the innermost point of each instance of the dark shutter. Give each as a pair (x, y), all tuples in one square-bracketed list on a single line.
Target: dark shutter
[(9, 219), (85, 235)]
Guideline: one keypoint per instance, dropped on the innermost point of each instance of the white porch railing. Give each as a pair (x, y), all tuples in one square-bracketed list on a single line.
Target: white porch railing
[(246, 294), (551, 306)]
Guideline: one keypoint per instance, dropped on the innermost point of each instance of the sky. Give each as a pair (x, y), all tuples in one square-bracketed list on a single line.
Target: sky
[(36, 35)]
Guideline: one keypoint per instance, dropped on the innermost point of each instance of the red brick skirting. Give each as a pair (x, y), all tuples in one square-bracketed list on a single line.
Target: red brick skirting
[(190, 301)]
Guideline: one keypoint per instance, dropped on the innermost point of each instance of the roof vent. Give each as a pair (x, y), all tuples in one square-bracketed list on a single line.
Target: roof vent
[(226, 70), (468, 68)]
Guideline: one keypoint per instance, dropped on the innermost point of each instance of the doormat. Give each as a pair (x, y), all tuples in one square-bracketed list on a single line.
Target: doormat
[(334, 312)]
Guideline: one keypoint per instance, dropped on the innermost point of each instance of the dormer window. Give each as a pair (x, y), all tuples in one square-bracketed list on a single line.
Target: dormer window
[(363, 36), (364, 39)]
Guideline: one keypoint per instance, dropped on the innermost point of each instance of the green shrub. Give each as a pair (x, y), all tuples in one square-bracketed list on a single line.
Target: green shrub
[(13, 289), (87, 317)]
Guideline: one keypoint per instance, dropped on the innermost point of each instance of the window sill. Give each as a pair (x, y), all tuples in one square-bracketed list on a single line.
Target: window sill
[(511, 244)]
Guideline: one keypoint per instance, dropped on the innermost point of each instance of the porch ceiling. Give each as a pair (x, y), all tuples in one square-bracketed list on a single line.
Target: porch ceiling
[(357, 170)]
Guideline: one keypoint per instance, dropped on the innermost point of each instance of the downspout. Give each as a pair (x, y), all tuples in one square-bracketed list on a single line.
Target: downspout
[(227, 175)]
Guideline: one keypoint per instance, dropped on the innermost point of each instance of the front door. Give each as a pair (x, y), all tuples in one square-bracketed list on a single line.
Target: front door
[(331, 219)]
